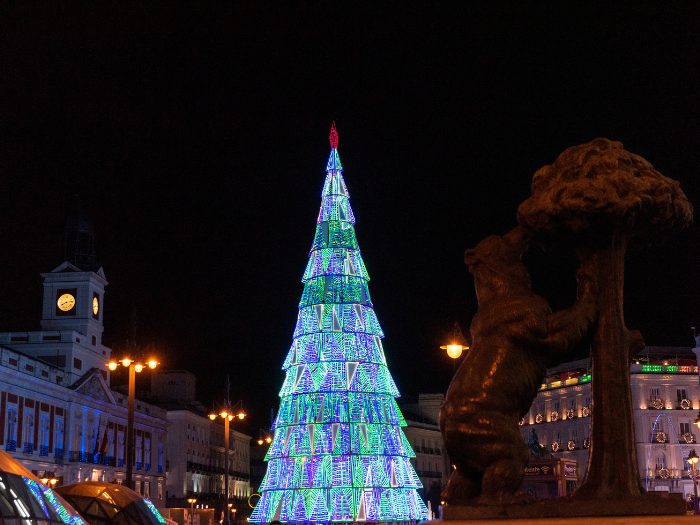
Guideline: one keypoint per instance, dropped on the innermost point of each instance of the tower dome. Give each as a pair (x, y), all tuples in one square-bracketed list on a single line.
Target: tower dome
[(78, 243)]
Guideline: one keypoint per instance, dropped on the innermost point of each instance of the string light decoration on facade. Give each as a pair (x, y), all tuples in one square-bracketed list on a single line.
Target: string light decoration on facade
[(339, 453)]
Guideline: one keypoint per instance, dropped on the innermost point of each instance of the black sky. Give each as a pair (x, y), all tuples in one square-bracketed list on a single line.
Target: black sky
[(195, 137)]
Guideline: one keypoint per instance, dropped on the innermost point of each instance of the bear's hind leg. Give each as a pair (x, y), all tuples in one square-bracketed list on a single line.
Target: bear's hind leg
[(464, 486), (501, 480)]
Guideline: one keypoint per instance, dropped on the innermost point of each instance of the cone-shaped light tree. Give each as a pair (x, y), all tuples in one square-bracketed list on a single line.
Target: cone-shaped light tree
[(607, 199), (339, 453)]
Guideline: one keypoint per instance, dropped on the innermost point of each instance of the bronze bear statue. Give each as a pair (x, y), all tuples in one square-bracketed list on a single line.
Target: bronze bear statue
[(515, 338)]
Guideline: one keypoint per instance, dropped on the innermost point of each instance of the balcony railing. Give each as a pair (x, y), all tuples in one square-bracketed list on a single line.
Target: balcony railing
[(160, 468), (120, 462), (11, 446), (139, 466), (147, 467), (44, 450), (28, 448), (108, 461)]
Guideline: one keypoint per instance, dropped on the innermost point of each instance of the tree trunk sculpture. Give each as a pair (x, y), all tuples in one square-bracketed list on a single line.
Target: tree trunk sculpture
[(602, 197)]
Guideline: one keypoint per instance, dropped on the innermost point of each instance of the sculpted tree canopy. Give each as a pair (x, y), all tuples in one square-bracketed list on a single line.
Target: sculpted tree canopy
[(598, 189), (600, 196)]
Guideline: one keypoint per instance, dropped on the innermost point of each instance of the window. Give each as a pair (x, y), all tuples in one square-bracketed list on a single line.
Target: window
[(572, 404), (685, 428), (556, 407), (661, 461), (120, 446), (654, 393), (543, 439), (139, 451), (77, 363), (681, 395), (160, 456), (28, 428), (58, 432), (77, 438), (94, 341), (44, 431), (29, 368), (12, 424)]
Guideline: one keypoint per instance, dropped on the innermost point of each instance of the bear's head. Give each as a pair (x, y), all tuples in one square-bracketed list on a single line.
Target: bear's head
[(497, 259)]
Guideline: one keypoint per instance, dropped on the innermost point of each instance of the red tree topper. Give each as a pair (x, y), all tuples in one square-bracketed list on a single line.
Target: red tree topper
[(334, 136)]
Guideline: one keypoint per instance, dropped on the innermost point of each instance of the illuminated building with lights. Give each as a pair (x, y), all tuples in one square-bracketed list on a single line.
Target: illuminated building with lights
[(196, 444), (59, 417), (339, 453), (432, 463), (666, 400)]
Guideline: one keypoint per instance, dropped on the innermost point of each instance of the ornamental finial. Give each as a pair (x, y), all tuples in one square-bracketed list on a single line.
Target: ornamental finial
[(334, 136)]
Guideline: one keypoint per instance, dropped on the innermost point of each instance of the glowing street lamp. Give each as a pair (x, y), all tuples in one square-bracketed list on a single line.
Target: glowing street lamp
[(458, 343), (264, 437), (192, 501), (227, 416), (133, 369)]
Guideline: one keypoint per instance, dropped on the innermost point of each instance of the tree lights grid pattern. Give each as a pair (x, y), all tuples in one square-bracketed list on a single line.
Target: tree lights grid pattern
[(338, 453)]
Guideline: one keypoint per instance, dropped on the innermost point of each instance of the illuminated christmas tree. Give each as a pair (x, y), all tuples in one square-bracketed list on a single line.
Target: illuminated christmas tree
[(339, 453)]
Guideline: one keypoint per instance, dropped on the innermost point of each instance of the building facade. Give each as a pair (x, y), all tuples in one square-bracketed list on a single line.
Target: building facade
[(196, 443), (665, 396), (58, 415), (431, 462)]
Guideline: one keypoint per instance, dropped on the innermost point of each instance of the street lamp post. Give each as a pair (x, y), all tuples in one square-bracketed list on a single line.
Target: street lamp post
[(693, 459), (227, 417), (133, 367), (192, 501), (264, 437)]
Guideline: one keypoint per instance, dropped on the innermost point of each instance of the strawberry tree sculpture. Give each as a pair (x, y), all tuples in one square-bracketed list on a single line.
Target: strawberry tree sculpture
[(606, 199)]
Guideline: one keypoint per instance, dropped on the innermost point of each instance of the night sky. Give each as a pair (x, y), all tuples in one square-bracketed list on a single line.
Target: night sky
[(195, 136)]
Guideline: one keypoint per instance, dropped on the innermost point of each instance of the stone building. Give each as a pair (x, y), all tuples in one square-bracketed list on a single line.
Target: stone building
[(423, 433), (58, 415), (665, 396), (196, 443)]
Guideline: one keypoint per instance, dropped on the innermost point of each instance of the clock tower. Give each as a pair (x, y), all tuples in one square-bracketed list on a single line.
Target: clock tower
[(73, 292), (73, 307), (73, 300)]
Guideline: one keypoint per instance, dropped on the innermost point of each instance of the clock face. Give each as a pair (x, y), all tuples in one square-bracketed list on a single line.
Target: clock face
[(66, 302), (95, 305)]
